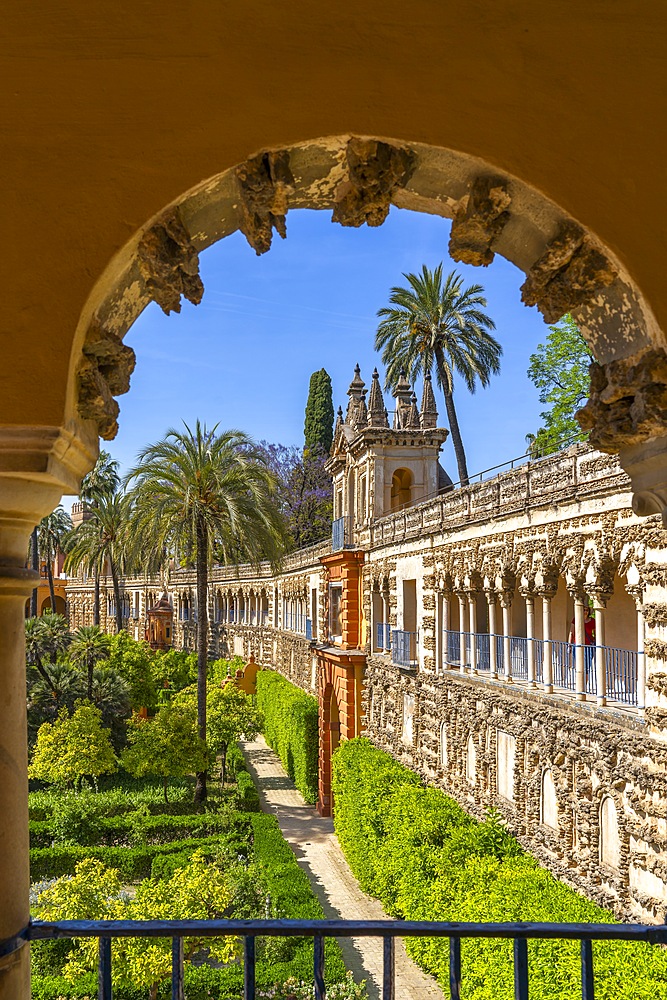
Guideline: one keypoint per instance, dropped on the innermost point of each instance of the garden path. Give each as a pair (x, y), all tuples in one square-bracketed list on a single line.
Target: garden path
[(317, 850)]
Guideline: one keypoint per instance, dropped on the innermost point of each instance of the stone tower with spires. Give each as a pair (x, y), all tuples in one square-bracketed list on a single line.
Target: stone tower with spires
[(378, 466)]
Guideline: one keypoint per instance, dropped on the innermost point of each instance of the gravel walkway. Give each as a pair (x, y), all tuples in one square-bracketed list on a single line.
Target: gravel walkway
[(314, 843)]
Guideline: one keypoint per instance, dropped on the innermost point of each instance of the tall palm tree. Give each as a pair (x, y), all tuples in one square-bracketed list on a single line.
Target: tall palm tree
[(100, 541), (52, 532), (102, 481), (205, 495), (439, 325), (89, 645)]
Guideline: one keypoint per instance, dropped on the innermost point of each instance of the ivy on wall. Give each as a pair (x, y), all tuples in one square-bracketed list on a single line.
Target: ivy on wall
[(290, 728), (418, 852)]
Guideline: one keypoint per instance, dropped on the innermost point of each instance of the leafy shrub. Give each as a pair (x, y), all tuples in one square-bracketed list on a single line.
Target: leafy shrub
[(290, 728), (133, 863), (247, 795), (425, 859)]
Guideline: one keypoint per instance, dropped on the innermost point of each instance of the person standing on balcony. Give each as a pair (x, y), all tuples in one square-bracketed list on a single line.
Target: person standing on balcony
[(589, 639), (589, 628)]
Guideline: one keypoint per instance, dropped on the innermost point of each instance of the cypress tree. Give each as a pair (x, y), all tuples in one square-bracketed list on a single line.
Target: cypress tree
[(318, 426)]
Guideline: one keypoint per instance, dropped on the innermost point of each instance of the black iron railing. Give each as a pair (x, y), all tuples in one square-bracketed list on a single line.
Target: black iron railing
[(388, 930)]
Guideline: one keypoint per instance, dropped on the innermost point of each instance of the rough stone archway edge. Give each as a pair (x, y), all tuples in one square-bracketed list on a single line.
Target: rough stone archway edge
[(358, 178)]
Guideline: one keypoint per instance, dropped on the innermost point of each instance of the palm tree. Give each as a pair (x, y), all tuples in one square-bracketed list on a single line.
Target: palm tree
[(89, 645), (36, 649), (202, 495), (101, 540), (102, 481), (441, 326), (52, 533)]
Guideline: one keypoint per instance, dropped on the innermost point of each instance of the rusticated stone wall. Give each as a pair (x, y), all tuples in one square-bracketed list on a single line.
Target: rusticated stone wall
[(427, 722)]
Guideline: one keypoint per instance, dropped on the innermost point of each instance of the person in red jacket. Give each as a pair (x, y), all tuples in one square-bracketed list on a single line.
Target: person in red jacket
[(589, 628)]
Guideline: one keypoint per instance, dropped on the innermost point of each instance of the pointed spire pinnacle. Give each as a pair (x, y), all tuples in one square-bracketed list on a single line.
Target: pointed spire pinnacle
[(412, 415), (357, 415), (377, 414), (429, 412), (402, 394)]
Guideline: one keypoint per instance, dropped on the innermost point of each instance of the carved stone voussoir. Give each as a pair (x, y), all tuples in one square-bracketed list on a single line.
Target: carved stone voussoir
[(265, 183), (169, 263), (96, 401), (104, 373), (479, 221), (375, 171), (569, 273), (628, 401)]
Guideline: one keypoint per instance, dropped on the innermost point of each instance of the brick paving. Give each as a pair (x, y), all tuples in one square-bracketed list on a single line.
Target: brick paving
[(314, 843)]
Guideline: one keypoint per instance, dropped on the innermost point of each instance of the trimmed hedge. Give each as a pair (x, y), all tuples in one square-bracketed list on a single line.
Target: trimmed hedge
[(132, 829), (133, 863), (426, 859), (290, 728), (276, 868)]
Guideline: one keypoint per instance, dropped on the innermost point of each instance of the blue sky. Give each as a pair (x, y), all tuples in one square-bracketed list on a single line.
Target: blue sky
[(243, 358)]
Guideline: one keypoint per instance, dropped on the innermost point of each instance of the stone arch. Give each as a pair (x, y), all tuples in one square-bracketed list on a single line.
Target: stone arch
[(60, 608), (401, 488), (609, 834), (548, 800), (567, 267)]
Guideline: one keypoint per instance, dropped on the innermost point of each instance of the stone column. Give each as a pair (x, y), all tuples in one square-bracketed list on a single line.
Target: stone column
[(547, 655), (599, 604), (462, 632), (472, 619), (444, 631), (493, 649), (22, 504), (506, 602), (580, 648), (530, 634), (641, 657)]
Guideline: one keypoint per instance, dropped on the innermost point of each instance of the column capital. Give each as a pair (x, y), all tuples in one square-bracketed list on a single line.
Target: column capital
[(600, 598), (505, 597)]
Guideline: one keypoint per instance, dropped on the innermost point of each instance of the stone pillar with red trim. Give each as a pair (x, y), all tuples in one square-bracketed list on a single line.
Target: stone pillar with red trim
[(340, 670)]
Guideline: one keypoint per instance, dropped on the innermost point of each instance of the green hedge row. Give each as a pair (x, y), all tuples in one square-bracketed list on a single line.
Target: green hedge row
[(291, 896), (290, 728), (132, 828), (425, 859), (290, 893), (133, 863)]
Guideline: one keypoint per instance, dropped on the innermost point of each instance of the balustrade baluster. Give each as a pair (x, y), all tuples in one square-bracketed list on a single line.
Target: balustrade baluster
[(104, 991), (177, 968), (249, 968), (388, 968)]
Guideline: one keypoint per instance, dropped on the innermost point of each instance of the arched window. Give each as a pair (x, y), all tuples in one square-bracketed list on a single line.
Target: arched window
[(401, 488), (548, 800), (471, 761), (443, 744), (610, 840)]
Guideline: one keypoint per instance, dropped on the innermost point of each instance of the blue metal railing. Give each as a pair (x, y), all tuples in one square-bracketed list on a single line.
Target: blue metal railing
[(621, 665), (388, 930), (383, 636), (404, 648), (341, 533)]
